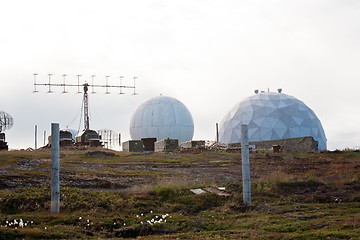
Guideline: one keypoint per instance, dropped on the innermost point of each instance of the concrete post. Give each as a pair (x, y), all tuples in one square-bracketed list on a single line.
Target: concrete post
[(245, 165), (55, 166)]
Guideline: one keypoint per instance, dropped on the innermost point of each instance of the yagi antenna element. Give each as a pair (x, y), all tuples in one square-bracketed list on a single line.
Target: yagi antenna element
[(85, 87)]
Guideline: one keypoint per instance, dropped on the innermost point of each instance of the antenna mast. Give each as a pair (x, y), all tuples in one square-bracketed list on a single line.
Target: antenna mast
[(86, 108)]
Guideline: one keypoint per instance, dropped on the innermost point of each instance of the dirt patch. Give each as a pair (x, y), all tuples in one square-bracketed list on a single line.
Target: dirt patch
[(100, 154)]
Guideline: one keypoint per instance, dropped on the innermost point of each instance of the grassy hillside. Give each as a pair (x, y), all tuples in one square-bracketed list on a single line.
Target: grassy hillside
[(121, 195)]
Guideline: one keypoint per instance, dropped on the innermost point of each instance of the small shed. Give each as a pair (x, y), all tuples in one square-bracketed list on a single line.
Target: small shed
[(149, 144), (166, 145), (133, 146), (193, 144), (66, 138)]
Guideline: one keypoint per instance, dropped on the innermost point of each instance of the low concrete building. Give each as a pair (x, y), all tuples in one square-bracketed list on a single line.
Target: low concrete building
[(133, 146), (301, 144), (166, 145), (193, 144)]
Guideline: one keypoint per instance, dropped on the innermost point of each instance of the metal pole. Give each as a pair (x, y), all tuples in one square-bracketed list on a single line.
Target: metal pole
[(44, 138), (35, 137), (50, 83), (245, 165), (121, 86), (64, 75), (217, 132), (107, 84), (135, 85), (78, 77), (35, 74), (55, 166)]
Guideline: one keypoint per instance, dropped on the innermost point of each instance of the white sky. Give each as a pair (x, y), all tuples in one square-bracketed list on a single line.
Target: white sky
[(208, 54)]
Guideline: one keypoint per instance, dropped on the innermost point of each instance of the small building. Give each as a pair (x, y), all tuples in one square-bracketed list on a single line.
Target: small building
[(301, 144), (193, 144), (133, 146), (66, 138), (88, 137), (3, 143), (149, 144), (166, 145)]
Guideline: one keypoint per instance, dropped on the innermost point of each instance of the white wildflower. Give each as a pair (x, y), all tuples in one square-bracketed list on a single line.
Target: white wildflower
[(21, 223)]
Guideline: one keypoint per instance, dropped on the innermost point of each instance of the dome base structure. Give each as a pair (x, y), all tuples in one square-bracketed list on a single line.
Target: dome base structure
[(272, 116)]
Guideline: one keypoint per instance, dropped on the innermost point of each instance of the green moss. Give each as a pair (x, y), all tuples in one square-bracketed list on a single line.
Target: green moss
[(286, 194)]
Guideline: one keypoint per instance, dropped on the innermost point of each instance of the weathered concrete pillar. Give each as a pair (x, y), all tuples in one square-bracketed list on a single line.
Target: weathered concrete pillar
[(245, 165), (55, 166)]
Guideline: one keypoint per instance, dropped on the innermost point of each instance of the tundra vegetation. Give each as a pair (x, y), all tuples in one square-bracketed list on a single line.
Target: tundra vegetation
[(109, 194)]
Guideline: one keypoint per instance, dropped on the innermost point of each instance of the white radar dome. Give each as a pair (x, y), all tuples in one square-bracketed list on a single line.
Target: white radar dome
[(271, 116), (161, 118)]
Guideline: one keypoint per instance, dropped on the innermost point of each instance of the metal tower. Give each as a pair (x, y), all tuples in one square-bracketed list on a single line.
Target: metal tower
[(86, 108)]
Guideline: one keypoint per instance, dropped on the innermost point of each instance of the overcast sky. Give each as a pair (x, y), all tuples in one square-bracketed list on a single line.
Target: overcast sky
[(208, 54)]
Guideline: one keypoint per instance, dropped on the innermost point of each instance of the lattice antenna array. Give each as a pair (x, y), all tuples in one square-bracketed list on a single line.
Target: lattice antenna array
[(85, 90), (6, 121), (109, 138)]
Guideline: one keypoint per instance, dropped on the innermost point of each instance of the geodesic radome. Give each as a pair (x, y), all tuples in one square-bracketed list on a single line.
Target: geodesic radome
[(271, 116)]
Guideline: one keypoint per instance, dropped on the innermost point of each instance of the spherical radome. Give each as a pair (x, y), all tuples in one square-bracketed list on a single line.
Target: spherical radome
[(161, 118), (271, 116)]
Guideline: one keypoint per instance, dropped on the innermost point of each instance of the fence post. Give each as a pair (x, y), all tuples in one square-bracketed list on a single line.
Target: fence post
[(245, 165), (55, 166)]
